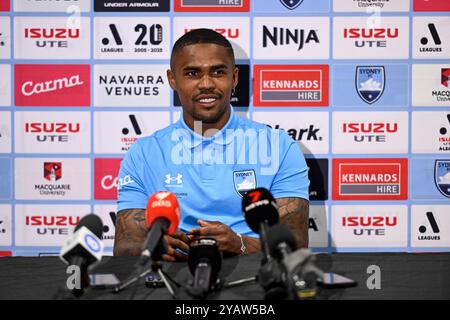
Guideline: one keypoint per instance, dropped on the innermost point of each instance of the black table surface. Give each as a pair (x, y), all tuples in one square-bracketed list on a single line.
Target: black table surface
[(403, 276)]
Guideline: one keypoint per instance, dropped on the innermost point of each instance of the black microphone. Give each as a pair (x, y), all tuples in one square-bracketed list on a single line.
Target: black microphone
[(84, 249), (281, 241), (205, 262), (297, 265), (260, 211)]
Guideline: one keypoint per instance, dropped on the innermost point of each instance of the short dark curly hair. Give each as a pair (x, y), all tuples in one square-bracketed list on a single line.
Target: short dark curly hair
[(202, 35)]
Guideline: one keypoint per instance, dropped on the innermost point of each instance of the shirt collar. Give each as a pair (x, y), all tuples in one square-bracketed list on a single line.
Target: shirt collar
[(192, 139)]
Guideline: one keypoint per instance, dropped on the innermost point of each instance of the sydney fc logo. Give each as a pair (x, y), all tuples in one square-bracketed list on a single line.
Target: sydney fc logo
[(291, 4), (370, 83), (442, 176), (244, 181)]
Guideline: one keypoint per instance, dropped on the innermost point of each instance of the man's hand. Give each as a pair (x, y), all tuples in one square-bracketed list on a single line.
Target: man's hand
[(177, 240), (227, 240)]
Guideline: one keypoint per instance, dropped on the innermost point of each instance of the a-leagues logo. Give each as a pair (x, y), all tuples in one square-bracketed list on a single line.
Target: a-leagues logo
[(52, 171), (442, 176), (244, 181), (370, 83), (291, 4)]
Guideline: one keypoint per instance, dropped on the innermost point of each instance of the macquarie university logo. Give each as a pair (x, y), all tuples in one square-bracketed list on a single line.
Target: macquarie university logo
[(127, 38), (430, 85), (212, 5), (370, 83), (445, 77), (244, 181), (52, 171), (52, 85), (370, 179), (442, 176), (291, 85)]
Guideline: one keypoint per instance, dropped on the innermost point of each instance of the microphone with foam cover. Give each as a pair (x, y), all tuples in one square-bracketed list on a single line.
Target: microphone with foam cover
[(85, 248), (205, 262), (162, 217), (281, 241), (260, 211)]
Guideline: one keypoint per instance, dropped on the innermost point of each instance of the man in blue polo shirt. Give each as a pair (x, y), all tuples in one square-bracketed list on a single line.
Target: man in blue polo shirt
[(209, 159)]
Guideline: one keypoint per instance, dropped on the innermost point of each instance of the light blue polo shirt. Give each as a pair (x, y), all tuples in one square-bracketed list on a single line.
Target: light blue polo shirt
[(210, 175)]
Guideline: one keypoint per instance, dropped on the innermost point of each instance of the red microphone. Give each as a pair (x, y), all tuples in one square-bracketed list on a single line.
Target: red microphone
[(162, 217)]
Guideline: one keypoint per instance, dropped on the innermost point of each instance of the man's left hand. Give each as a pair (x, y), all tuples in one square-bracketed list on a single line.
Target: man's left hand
[(227, 240)]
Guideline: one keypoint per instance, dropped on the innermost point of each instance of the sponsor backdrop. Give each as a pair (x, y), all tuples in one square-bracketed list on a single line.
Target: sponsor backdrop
[(362, 86)]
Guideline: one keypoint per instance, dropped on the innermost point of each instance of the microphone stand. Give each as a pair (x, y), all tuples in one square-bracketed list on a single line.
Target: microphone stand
[(142, 271)]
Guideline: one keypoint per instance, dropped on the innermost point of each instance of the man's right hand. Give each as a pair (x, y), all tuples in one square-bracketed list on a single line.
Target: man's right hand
[(178, 240)]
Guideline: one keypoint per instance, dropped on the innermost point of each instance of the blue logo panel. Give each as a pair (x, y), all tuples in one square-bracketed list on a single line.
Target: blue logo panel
[(431, 179), (294, 6), (371, 85), (442, 176), (5, 179)]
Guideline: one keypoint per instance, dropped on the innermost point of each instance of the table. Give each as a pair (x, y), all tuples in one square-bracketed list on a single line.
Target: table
[(403, 276)]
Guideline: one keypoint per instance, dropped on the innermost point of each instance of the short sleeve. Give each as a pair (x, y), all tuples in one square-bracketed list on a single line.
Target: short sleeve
[(291, 180), (131, 191)]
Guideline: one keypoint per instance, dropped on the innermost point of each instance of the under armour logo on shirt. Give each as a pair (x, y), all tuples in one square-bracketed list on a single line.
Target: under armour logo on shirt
[(176, 179)]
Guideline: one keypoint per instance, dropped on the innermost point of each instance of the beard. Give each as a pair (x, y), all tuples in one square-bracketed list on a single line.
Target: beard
[(209, 119)]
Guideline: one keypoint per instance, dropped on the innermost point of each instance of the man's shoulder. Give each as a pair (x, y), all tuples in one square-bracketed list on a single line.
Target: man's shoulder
[(245, 123), (158, 137)]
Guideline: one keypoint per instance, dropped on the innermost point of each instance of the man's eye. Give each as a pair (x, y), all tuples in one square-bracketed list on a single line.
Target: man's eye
[(219, 72), (191, 73)]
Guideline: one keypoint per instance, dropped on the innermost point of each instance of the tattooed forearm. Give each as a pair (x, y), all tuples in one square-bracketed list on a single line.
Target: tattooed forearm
[(130, 232), (294, 212)]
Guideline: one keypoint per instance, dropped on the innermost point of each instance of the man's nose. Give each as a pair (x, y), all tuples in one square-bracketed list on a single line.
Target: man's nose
[(206, 82)]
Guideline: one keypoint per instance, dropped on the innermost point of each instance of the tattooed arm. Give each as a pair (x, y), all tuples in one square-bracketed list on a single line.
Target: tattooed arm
[(294, 212), (130, 232)]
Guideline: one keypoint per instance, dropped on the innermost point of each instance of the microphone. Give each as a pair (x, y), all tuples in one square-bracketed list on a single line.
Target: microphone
[(84, 249), (205, 262), (162, 217), (298, 265), (281, 241), (260, 211)]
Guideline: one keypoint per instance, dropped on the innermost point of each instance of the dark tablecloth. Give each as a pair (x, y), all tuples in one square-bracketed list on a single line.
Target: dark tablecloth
[(403, 276)]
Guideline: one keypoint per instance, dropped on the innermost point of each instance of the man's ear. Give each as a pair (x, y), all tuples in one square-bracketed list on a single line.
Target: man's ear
[(171, 78), (235, 77)]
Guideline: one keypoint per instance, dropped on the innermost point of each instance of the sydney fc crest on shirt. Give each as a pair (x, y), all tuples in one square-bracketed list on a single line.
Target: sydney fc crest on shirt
[(442, 176), (244, 181), (370, 83), (291, 4)]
